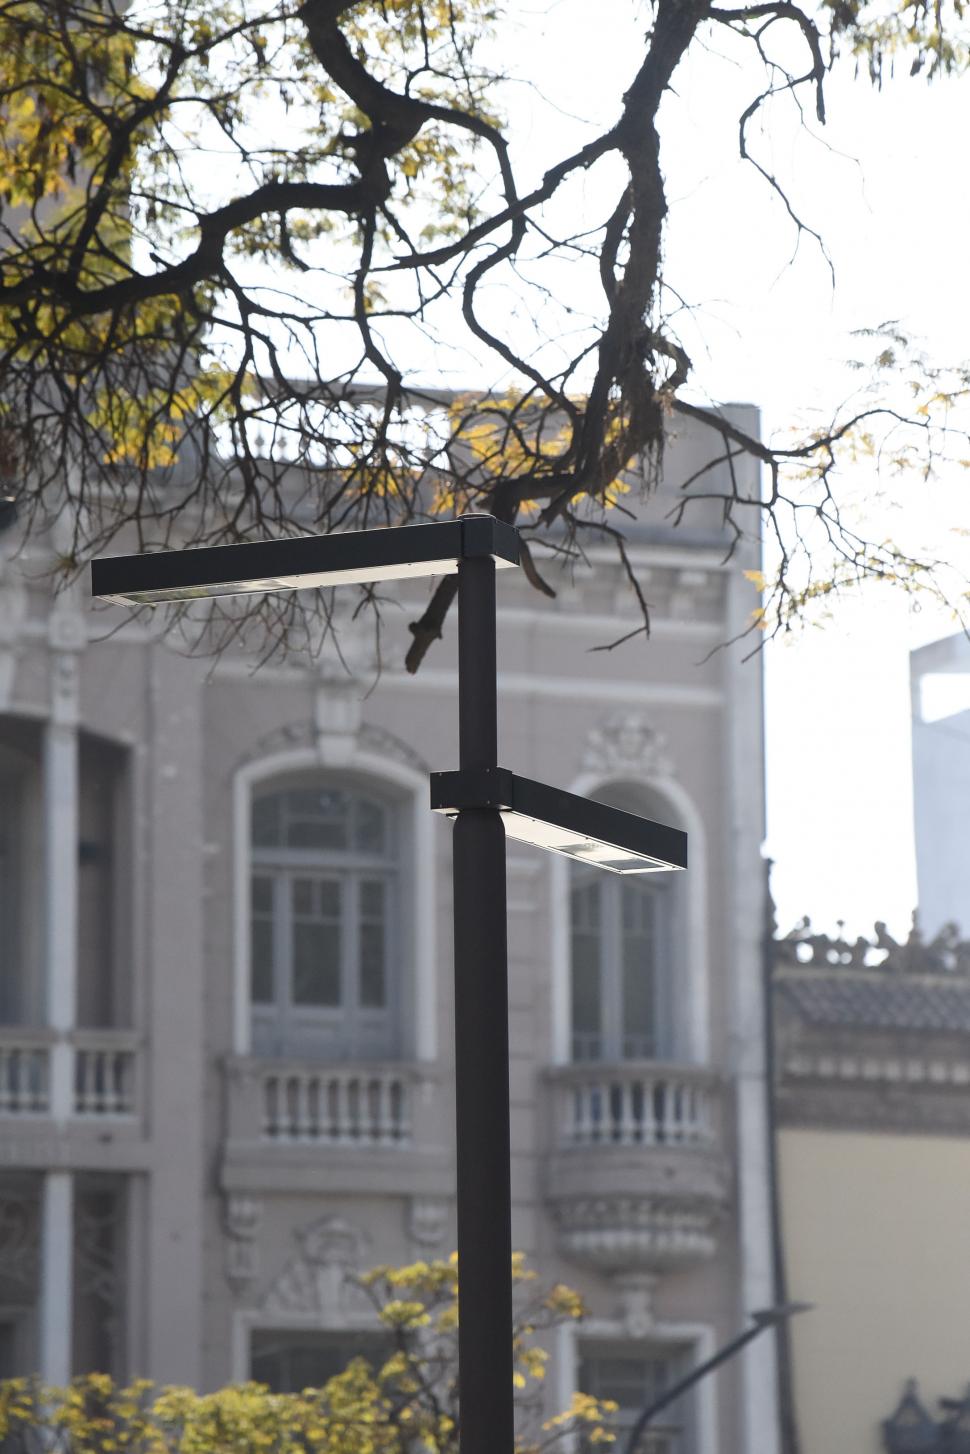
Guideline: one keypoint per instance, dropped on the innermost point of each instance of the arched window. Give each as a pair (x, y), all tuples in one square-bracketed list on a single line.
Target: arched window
[(622, 933), (620, 956), (324, 922)]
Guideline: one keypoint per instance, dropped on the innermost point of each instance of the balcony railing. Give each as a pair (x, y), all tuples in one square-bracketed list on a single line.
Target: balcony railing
[(637, 1103), (637, 1177), (299, 1102), (104, 1074), (350, 1106), (24, 1072)]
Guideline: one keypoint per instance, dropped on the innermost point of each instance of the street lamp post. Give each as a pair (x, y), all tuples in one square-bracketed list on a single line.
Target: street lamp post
[(484, 1195), (488, 803)]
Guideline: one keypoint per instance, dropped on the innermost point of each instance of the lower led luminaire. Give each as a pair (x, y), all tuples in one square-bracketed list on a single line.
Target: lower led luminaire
[(581, 829)]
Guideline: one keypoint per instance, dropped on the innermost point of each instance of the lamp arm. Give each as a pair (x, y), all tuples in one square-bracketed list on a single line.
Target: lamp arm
[(688, 1381)]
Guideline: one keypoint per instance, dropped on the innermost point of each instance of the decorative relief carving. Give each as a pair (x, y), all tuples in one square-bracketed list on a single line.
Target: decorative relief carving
[(67, 638), (320, 1282), (66, 625), (630, 1233), (347, 660), (243, 1218), (375, 740), (625, 745), (635, 1303), (336, 721), (384, 744), (945, 954), (427, 1220)]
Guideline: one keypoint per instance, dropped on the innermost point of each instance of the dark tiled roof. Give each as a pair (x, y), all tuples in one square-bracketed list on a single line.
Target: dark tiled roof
[(878, 1003)]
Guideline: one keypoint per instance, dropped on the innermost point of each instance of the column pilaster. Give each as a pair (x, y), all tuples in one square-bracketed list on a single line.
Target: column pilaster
[(66, 636)]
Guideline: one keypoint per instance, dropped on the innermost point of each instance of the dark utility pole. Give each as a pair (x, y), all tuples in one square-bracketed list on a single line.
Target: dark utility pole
[(481, 1046)]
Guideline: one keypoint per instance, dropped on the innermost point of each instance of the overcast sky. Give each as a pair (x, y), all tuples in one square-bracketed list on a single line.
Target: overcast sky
[(895, 215)]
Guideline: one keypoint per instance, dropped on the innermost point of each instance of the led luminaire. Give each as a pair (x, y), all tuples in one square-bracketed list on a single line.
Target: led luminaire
[(303, 562), (583, 830)]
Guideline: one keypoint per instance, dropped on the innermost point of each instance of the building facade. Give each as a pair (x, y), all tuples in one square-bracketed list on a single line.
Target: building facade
[(225, 983), (873, 1129)]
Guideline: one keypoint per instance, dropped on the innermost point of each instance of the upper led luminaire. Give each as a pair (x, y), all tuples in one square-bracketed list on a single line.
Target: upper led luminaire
[(583, 830), (348, 558)]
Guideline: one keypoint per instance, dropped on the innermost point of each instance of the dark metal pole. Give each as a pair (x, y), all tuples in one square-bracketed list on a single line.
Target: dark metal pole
[(481, 1047)]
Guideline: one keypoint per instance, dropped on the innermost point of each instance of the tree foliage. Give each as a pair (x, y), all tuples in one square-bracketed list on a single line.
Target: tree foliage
[(404, 1402), (239, 237)]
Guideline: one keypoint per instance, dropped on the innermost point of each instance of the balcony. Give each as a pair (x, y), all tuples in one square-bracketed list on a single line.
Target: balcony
[(24, 1071), (359, 1126), (98, 1120), (637, 1178), (106, 1068)]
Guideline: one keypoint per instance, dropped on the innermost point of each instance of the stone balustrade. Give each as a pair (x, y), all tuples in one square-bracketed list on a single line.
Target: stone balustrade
[(105, 1071), (343, 1105), (633, 1104), (384, 1128), (305, 1102), (636, 1177), (24, 1072)]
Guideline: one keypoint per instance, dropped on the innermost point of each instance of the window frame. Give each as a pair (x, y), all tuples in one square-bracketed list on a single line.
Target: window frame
[(349, 1030), (337, 1340), (610, 938), (675, 1432)]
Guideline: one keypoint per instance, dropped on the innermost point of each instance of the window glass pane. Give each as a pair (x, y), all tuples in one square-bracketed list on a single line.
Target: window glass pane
[(290, 1362), (328, 891), (316, 818), (370, 826), (587, 1008), (316, 833), (639, 970), (262, 961), (315, 905), (303, 896), (372, 899), (261, 940), (373, 989), (262, 890), (316, 963), (633, 1381), (266, 821), (10, 895)]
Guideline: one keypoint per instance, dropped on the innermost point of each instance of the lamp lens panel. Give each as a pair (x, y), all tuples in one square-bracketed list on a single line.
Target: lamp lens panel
[(580, 848)]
